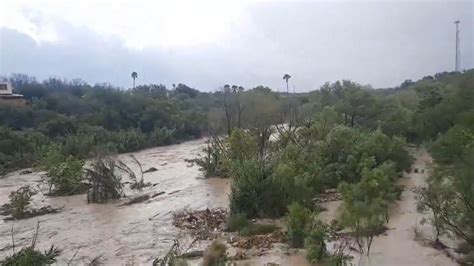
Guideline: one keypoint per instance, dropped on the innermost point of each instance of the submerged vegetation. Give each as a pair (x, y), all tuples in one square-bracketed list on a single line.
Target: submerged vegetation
[(29, 255), (104, 178), (19, 201)]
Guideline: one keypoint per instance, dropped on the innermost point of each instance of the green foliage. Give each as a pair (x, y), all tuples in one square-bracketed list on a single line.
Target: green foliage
[(236, 222), (214, 161), (242, 146), (315, 242), (19, 200), (298, 219), (269, 176), (30, 256), (253, 192), (450, 199), (366, 203), (65, 174), (81, 118), (104, 180), (19, 149)]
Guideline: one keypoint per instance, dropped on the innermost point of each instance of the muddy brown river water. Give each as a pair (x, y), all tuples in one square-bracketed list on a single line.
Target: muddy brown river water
[(120, 235), (137, 234)]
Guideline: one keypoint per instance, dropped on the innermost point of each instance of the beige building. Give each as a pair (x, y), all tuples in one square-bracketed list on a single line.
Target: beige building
[(8, 97)]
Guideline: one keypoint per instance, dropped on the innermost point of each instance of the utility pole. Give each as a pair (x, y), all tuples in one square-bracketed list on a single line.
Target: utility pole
[(457, 66)]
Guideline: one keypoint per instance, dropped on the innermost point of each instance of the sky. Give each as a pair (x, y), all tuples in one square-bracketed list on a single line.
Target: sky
[(208, 43)]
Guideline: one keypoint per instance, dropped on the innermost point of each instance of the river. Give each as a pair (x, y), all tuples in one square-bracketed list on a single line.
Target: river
[(120, 235)]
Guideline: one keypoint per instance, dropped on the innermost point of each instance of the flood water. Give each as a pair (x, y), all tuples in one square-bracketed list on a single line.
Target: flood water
[(139, 233), (397, 245), (119, 234)]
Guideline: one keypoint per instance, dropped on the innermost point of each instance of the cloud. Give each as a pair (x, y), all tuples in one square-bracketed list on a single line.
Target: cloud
[(247, 43)]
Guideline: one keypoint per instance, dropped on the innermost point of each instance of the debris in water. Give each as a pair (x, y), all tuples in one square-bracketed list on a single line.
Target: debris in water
[(26, 171), (259, 241), (328, 195), (204, 224), (137, 199), (158, 194), (29, 213), (193, 254), (173, 192), (149, 170)]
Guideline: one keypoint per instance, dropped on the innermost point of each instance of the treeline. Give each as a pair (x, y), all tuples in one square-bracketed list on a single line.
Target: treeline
[(83, 118)]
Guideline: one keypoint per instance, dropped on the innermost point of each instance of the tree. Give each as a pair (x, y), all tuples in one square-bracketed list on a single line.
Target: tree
[(286, 77), (366, 204), (227, 109), (134, 76)]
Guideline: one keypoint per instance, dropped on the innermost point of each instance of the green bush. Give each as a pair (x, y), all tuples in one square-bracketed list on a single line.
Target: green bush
[(253, 193), (65, 174), (236, 222), (30, 256), (314, 242), (213, 162), (104, 180), (366, 204), (297, 220), (19, 200)]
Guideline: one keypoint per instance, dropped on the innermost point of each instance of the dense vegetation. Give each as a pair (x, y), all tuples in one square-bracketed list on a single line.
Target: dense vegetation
[(80, 118), (353, 138)]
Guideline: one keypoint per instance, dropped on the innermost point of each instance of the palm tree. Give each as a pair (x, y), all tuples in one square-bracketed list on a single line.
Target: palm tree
[(134, 76), (286, 77)]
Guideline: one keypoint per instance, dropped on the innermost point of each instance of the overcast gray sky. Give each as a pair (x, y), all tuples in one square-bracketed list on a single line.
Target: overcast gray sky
[(208, 43)]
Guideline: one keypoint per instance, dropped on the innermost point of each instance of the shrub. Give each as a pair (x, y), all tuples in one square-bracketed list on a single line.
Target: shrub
[(366, 203), (19, 200), (30, 256), (104, 181), (213, 161), (297, 221), (253, 193), (65, 174), (236, 222), (314, 242)]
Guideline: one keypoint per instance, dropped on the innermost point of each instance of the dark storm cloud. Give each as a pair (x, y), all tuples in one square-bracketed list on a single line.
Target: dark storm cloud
[(381, 43)]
